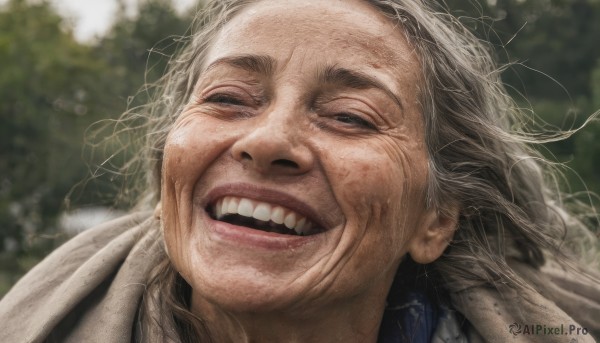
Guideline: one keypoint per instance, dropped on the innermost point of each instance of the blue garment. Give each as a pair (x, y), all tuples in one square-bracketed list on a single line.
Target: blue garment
[(412, 317)]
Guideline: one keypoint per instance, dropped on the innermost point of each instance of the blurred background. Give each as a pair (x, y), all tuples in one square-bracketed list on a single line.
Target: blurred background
[(68, 65)]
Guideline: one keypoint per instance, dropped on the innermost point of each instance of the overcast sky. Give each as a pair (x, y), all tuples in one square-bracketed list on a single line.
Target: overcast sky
[(92, 17)]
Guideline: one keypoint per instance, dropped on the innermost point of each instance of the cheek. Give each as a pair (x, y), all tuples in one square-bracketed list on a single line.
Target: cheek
[(181, 165), (189, 149), (176, 201), (190, 145), (193, 144), (382, 187)]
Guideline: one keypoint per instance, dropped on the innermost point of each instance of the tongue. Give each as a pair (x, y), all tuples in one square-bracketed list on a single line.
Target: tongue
[(256, 224)]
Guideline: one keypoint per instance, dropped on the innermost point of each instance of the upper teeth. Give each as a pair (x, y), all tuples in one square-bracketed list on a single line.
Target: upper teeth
[(262, 211)]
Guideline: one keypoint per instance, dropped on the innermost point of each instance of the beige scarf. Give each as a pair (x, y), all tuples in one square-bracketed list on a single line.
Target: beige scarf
[(90, 290)]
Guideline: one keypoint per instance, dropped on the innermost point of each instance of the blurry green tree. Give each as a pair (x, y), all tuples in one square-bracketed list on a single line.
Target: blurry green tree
[(138, 48), (555, 42), (553, 52), (49, 91), (52, 88)]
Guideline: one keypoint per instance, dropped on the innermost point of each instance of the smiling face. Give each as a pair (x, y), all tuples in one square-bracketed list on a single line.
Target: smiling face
[(294, 179)]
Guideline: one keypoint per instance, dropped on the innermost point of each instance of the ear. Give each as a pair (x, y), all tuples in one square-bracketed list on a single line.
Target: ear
[(433, 235), (158, 211)]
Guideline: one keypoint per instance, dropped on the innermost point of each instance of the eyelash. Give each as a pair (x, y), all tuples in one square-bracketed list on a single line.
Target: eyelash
[(352, 119), (224, 99)]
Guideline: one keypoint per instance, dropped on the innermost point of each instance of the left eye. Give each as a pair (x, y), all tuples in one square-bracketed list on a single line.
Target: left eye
[(352, 119)]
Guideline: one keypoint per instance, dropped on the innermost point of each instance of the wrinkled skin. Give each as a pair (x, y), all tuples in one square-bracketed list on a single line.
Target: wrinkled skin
[(353, 153)]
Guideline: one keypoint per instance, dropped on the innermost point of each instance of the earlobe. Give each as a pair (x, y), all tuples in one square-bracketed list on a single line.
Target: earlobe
[(158, 211), (433, 235)]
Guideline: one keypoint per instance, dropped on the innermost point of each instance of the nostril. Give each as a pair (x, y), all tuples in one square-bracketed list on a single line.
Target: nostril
[(246, 156), (286, 163)]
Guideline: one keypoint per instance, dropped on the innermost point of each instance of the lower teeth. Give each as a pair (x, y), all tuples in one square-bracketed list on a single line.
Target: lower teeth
[(256, 224)]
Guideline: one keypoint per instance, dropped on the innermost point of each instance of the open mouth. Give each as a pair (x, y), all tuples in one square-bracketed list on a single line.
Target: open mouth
[(261, 216)]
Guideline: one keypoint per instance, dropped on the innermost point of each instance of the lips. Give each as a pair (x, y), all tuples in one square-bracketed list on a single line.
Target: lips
[(274, 212)]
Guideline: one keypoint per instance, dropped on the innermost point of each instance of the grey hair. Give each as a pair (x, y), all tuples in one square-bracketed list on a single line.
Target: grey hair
[(480, 155)]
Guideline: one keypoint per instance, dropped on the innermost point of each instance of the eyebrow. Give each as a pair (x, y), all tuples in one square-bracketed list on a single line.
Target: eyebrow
[(356, 80), (260, 64), (265, 65)]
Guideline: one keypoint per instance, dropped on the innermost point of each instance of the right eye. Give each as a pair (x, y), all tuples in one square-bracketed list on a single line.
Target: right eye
[(224, 99)]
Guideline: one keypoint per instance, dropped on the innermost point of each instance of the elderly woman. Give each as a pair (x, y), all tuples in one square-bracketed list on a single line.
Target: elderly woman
[(326, 171)]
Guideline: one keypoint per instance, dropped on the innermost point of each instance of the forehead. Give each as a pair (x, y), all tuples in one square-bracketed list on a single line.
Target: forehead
[(347, 32)]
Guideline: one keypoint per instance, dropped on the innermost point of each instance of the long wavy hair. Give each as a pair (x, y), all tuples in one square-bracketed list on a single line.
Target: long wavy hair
[(481, 157)]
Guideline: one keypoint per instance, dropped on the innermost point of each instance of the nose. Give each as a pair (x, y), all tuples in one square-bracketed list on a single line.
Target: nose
[(274, 146)]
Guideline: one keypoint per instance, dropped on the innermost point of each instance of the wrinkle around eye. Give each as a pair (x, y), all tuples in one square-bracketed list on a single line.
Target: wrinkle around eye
[(224, 99), (247, 93), (345, 118), (224, 102), (222, 112), (353, 119), (230, 96)]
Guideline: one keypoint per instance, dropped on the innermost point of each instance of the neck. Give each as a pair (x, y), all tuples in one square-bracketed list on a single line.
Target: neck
[(348, 322)]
